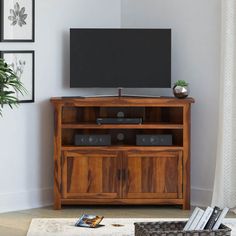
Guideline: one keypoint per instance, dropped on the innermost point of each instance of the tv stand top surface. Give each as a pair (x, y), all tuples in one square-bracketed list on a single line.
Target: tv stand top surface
[(115, 96), (122, 101)]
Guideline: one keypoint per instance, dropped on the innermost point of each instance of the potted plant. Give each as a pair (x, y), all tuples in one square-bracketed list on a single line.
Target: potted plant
[(181, 89), (10, 85)]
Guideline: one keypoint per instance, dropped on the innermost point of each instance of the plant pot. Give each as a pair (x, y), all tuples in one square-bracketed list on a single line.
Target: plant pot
[(181, 91)]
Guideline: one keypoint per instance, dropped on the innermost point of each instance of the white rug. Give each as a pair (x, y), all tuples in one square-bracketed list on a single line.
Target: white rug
[(65, 227)]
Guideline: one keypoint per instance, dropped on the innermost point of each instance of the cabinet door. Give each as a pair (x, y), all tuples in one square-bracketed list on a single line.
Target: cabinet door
[(152, 175), (91, 174)]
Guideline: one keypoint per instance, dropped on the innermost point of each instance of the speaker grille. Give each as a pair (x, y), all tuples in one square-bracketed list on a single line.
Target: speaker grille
[(93, 140)]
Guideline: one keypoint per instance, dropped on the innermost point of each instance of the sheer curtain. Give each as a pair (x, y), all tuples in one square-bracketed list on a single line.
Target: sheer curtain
[(224, 193)]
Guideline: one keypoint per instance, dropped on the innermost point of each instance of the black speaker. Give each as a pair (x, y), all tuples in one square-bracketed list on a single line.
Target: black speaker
[(154, 140), (92, 140)]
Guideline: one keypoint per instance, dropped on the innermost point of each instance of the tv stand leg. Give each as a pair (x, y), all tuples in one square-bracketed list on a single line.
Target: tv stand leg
[(119, 92)]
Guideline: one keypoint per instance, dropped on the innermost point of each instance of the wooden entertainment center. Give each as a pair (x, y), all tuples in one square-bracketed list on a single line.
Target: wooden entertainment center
[(122, 173)]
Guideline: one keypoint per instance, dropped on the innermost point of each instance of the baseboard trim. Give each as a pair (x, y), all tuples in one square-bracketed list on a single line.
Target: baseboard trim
[(26, 199), (201, 196), (44, 197)]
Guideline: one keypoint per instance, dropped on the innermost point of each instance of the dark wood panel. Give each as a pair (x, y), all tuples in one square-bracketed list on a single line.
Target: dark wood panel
[(122, 102), (57, 157), (91, 174), (91, 195), (110, 181), (153, 195), (124, 201), (164, 115), (123, 148), (152, 174), (74, 115), (186, 156), (123, 126)]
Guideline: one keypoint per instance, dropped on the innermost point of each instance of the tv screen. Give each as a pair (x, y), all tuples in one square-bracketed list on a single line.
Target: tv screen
[(127, 58)]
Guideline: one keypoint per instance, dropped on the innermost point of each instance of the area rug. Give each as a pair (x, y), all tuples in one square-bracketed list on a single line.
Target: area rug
[(65, 226)]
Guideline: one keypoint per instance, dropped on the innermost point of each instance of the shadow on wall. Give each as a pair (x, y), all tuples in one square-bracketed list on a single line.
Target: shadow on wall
[(39, 157), (66, 59), (46, 150)]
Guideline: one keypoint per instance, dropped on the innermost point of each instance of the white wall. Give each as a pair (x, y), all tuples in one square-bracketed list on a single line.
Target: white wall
[(26, 176), (26, 140), (196, 39)]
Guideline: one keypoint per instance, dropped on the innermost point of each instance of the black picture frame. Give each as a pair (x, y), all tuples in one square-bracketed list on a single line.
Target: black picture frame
[(22, 23), (28, 77)]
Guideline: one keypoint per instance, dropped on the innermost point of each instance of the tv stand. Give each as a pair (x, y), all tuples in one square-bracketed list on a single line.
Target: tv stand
[(122, 172), (119, 92)]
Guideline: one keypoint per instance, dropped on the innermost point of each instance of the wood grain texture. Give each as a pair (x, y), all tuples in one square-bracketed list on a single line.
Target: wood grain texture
[(152, 174), (123, 201), (186, 157), (122, 173), (57, 157), (122, 102), (91, 174), (122, 126), (123, 148)]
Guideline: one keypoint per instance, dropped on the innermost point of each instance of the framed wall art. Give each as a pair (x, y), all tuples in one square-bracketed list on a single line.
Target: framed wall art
[(22, 63), (17, 20)]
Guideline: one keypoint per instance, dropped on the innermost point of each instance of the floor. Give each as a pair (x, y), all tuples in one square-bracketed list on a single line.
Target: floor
[(17, 223)]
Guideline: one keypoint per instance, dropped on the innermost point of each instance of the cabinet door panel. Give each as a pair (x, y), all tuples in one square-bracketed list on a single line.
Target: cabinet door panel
[(91, 175), (153, 175)]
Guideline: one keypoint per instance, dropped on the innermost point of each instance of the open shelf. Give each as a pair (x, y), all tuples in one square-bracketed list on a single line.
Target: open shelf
[(123, 126), (123, 148), (149, 115), (129, 134)]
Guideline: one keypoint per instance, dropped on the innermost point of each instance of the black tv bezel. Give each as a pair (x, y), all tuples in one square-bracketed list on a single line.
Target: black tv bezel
[(170, 81)]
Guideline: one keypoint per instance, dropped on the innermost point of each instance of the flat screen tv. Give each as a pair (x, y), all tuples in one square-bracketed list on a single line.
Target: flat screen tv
[(126, 58)]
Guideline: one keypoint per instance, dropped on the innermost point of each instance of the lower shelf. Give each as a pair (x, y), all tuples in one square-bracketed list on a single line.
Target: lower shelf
[(122, 148), (122, 201)]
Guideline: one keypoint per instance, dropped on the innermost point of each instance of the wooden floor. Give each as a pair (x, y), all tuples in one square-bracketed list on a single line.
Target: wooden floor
[(17, 223)]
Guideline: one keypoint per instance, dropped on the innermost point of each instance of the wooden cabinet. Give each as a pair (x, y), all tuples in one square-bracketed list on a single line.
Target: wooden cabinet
[(122, 173)]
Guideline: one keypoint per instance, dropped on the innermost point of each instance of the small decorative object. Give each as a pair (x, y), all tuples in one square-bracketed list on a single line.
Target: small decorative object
[(10, 86), (22, 65), (181, 89), (17, 20)]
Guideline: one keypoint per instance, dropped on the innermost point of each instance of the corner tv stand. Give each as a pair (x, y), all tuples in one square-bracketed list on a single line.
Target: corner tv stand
[(122, 172)]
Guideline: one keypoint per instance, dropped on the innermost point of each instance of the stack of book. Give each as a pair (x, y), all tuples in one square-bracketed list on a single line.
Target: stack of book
[(210, 219)]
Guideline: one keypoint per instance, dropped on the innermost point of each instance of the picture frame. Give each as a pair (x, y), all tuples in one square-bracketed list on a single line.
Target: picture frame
[(22, 63), (17, 20)]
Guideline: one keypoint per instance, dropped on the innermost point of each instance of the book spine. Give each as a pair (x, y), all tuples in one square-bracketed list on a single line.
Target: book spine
[(214, 216), (196, 220), (220, 219), (205, 217), (191, 219)]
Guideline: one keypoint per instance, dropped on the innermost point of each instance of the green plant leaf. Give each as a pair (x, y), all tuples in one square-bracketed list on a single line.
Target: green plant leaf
[(10, 85), (181, 83)]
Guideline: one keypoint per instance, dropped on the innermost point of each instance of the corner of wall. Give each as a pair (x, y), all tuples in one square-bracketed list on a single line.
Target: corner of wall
[(201, 197), (26, 199)]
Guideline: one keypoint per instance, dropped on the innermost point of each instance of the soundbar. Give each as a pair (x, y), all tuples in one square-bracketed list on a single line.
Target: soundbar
[(101, 121)]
